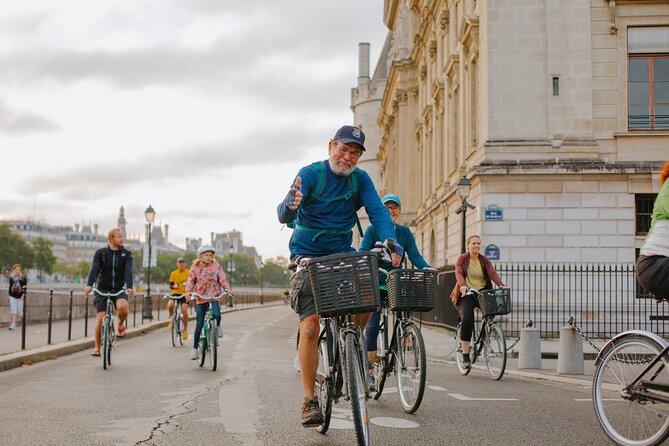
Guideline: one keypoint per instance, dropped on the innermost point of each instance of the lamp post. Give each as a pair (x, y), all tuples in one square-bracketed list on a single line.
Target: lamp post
[(231, 268), (150, 214), (463, 190), (261, 272)]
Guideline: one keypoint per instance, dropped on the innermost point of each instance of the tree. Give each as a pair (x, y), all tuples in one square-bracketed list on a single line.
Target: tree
[(13, 249), (246, 272), (275, 272), (44, 258)]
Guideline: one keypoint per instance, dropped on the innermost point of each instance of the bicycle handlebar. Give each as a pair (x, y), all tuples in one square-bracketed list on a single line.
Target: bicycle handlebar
[(109, 294), (223, 294), (173, 296)]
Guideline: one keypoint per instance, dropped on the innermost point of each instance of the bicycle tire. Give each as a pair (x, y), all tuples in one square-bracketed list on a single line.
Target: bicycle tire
[(204, 341), (213, 342), (458, 352), (179, 330), (636, 420), (357, 388), (411, 367), (323, 386), (105, 342), (174, 331), (380, 366), (112, 338), (494, 350)]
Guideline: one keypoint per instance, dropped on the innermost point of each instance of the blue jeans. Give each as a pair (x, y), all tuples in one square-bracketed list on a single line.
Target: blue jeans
[(372, 328), (200, 311)]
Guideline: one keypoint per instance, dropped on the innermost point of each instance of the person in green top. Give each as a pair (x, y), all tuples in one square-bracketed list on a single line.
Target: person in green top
[(652, 266), (472, 270)]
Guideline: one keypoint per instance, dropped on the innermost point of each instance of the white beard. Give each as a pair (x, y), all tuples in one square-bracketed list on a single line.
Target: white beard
[(338, 170)]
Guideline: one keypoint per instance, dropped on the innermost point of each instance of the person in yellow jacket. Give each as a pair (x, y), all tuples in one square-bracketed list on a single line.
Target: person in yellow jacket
[(178, 279)]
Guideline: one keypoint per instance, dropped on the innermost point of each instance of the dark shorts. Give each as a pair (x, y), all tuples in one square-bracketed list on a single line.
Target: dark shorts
[(652, 272), (301, 295), (100, 302), (181, 300)]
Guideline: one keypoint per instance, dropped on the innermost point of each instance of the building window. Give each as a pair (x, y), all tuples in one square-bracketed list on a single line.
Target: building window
[(643, 204), (648, 78)]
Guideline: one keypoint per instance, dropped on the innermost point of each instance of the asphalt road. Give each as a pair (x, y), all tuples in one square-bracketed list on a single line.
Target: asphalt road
[(153, 395)]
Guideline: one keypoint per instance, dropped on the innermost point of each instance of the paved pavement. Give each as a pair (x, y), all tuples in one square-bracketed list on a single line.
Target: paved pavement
[(38, 349)]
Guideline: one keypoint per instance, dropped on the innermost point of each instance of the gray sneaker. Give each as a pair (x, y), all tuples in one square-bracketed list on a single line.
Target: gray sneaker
[(193, 354), (12, 326), (220, 332)]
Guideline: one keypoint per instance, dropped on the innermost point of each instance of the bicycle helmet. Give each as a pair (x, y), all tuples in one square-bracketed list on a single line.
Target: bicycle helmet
[(205, 248)]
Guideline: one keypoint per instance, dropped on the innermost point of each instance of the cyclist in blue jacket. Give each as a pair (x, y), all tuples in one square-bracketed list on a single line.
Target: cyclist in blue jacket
[(322, 207), (406, 240)]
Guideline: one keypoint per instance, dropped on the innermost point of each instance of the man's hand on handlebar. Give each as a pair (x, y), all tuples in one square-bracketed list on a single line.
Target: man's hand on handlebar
[(87, 290)]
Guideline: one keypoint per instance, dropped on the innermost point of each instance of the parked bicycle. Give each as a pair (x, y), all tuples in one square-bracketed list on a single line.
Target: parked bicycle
[(177, 319), (490, 339), (108, 333), (209, 336), (408, 290), (343, 285), (630, 389)]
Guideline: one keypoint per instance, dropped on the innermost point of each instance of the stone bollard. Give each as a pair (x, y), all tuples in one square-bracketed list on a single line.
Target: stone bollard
[(529, 349), (570, 356)]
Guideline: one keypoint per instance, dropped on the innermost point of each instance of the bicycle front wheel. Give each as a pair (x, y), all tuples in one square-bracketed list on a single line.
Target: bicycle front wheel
[(180, 330), (357, 388), (494, 350), (204, 342), (106, 343), (411, 367), (323, 385), (213, 343), (627, 416), (458, 352), (380, 366), (174, 331)]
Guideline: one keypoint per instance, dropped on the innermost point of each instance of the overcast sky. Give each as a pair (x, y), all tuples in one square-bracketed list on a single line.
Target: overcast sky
[(204, 109)]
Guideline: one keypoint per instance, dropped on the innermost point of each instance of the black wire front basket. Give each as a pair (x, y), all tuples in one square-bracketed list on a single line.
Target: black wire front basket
[(495, 302), (345, 283), (412, 289)]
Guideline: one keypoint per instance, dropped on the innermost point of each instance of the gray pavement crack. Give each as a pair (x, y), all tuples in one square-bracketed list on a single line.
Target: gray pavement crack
[(168, 421)]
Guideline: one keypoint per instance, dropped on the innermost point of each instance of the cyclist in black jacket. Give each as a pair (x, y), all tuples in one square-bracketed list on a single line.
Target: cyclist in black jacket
[(111, 271)]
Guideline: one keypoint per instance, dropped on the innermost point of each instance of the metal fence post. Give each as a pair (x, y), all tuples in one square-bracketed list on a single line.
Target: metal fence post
[(23, 318), (69, 318), (50, 317), (86, 318), (134, 311)]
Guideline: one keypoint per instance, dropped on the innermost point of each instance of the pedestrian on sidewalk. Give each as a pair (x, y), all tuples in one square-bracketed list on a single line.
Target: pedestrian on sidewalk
[(111, 271), (652, 267), (472, 270), (17, 285)]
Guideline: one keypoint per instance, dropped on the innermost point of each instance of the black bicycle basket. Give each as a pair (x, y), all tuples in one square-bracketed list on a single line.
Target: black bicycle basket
[(495, 302), (412, 289), (345, 283)]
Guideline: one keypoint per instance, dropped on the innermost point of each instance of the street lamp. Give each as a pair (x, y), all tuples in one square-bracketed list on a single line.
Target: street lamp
[(261, 273), (150, 215), (231, 268), (464, 185)]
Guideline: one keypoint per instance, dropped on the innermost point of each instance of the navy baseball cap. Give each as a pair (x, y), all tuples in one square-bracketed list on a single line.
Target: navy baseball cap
[(348, 134), (391, 197)]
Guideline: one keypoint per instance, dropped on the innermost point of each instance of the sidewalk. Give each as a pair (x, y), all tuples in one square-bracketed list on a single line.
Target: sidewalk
[(440, 345), (37, 348)]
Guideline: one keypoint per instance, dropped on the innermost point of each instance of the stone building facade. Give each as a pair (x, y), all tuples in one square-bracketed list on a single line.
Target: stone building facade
[(557, 112)]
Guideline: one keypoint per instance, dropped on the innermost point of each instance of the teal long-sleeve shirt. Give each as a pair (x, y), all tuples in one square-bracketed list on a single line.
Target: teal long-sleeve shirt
[(405, 238)]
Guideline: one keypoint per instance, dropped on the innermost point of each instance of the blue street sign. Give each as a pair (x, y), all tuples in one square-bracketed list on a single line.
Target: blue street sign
[(492, 252), (494, 212)]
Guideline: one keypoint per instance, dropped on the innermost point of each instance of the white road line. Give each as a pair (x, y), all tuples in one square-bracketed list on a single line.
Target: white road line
[(603, 399), (461, 397), (437, 388)]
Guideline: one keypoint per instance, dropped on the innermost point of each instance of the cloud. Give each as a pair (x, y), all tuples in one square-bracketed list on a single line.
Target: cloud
[(17, 123), (274, 147)]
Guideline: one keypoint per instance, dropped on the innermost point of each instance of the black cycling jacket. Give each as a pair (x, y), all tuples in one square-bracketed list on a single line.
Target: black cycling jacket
[(111, 269)]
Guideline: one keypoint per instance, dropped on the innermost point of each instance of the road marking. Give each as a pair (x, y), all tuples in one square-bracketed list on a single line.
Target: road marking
[(461, 397), (337, 423), (394, 422), (437, 388), (603, 399)]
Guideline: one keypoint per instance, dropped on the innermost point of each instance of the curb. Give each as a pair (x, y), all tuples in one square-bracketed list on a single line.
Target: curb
[(526, 374), (47, 352)]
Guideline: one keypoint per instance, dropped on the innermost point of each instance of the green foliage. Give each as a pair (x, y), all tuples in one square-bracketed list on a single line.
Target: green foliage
[(44, 258), (275, 272), (246, 272), (13, 249)]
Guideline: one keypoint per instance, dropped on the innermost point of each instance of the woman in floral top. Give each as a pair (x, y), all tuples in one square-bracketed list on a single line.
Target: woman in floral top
[(206, 278)]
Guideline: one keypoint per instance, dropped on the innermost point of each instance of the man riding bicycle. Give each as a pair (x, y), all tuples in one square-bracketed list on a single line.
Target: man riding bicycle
[(406, 239), (178, 279), (112, 271), (321, 207)]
